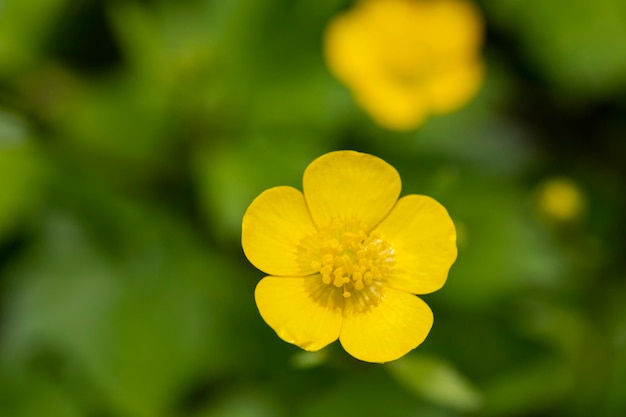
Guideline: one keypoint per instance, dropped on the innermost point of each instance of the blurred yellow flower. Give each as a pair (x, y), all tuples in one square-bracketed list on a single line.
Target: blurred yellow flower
[(346, 256), (561, 200), (406, 59)]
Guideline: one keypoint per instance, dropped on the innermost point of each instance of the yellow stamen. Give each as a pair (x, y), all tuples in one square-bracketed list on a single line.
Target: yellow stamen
[(350, 260)]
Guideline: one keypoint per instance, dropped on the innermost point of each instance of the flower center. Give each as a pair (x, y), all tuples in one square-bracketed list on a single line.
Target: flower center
[(350, 261)]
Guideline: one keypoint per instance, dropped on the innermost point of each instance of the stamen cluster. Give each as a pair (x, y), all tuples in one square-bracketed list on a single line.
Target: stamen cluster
[(349, 258)]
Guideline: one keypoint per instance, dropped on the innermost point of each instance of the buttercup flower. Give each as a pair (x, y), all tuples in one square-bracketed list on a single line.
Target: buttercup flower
[(406, 59), (346, 257), (561, 200)]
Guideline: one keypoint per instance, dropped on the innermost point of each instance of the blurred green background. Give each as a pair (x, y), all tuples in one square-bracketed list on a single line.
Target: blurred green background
[(134, 134)]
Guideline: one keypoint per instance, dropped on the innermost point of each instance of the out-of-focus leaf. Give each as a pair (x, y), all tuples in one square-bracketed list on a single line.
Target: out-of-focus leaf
[(167, 43), (577, 340), (24, 29), (566, 329), (580, 46), (503, 249), (436, 380), (534, 386), (142, 328), (230, 176), (31, 396), (118, 119), (304, 359), (61, 297), (615, 315), (244, 402), (199, 54), (479, 134), (299, 95), (19, 172), (13, 130), (367, 393)]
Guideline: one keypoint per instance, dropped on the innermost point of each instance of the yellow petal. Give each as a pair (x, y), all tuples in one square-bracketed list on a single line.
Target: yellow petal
[(450, 89), (272, 228), (287, 307), (458, 26), (347, 49), (346, 184), (398, 324), (392, 104), (424, 241)]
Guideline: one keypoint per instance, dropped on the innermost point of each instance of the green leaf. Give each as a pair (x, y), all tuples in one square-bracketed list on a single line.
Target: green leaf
[(579, 45), (500, 254), (229, 177), (19, 172), (437, 380), (243, 402), (141, 325), (364, 391), (26, 395), (528, 389), (25, 27)]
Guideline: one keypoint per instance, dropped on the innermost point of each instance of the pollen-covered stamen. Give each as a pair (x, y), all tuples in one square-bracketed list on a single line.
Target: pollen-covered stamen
[(351, 261)]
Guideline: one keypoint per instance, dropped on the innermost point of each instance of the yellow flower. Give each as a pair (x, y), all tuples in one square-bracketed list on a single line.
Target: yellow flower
[(561, 200), (406, 59), (346, 257)]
